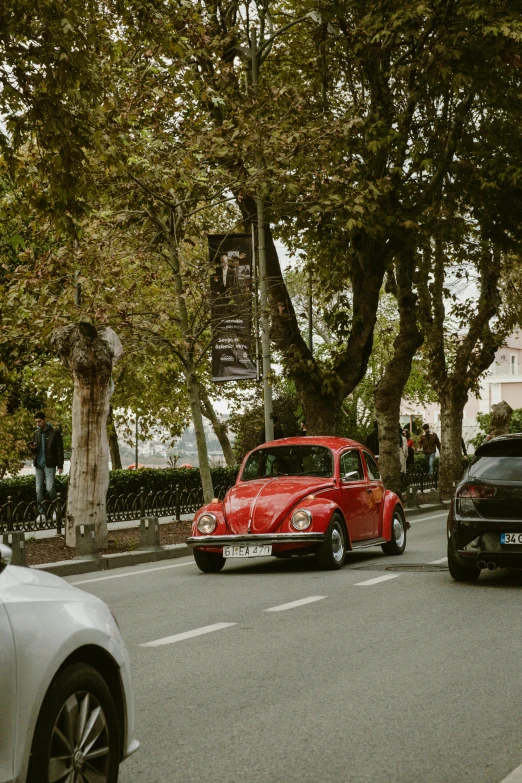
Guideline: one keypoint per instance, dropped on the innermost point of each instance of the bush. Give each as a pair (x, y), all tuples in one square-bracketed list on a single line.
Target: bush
[(123, 482)]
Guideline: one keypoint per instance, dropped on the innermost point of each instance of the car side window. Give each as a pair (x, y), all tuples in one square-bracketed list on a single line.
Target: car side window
[(251, 469), (351, 466), (373, 470)]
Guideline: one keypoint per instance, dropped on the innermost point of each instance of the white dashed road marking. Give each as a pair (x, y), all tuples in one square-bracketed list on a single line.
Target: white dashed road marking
[(514, 777), (179, 637), (293, 604), (131, 573), (438, 562), (376, 581)]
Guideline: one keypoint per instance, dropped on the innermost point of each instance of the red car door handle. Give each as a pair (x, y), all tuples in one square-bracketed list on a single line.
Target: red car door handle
[(370, 489)]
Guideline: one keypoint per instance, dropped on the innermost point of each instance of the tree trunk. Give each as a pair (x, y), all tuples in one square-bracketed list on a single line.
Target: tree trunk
[(114, 446), (452, 403), (322, 412), (201, 441), (322, 390), (90, 354), (189, 369), (219, 427), (388, 394)]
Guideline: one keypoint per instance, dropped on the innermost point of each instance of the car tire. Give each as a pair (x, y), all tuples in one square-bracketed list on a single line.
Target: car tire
[(77, 694), (461, 573), (209, 562), (331, 553), (397, 545)]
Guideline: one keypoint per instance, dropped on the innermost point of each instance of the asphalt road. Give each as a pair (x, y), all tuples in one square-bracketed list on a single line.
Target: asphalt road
[(379, 676)]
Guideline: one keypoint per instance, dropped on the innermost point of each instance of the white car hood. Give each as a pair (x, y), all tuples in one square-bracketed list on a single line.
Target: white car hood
[(37, 578)]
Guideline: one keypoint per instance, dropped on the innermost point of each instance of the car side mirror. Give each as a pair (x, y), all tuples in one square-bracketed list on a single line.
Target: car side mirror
[(5, 556), (353, 474)]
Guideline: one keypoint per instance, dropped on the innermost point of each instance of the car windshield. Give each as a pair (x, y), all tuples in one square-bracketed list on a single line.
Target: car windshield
[(288, 461), (497, 468)]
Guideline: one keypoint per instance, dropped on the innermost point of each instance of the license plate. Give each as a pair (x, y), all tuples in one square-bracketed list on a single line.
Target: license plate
[(511, 538), (252, 550)]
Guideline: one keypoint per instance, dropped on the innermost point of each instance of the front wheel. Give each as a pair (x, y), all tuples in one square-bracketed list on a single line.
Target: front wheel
[(209, 562), (397, 545), (461, 573), (331, 553), (76, 735)]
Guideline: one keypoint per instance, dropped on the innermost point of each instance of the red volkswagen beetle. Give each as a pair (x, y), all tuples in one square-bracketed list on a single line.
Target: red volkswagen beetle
[(297, 496)]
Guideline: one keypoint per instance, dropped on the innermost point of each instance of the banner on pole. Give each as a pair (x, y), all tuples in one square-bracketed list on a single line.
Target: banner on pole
[(231, 306)]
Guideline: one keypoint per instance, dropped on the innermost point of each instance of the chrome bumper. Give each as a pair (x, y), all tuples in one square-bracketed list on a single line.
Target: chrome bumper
[(255, 538)]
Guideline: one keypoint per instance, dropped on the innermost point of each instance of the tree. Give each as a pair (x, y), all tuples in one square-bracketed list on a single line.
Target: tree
[(90, 355), (462, 338)]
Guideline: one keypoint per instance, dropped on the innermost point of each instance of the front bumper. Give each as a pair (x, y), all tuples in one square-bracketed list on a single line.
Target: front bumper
[(256, 538)]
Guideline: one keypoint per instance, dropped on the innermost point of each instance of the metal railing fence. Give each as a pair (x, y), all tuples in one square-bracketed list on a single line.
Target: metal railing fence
[(30, 516), (418, 479)]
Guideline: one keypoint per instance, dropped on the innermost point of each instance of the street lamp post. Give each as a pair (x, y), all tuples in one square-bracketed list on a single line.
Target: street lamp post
[(136, 444), (264, 318)]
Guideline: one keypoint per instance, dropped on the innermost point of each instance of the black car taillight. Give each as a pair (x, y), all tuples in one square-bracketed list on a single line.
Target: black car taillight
[(476, 491)]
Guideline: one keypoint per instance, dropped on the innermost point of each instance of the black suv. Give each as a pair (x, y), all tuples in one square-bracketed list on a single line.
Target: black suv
[(485, 520)]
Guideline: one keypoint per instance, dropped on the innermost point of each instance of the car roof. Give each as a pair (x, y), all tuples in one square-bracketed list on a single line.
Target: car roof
[(330, 441), (502, 446)]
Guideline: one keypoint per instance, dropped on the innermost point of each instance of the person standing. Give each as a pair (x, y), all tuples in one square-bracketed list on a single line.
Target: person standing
[(47, 446), (403, 450), (410, 459), (428, 444)]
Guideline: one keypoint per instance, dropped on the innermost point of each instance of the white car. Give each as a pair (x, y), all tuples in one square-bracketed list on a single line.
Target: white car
[(67, 713)]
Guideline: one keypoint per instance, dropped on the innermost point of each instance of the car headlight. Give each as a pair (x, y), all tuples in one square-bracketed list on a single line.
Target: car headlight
[(301, 520), (207, 523)]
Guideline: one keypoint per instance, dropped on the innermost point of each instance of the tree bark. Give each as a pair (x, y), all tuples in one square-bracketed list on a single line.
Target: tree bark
[(322, 390), (219, 427), (389, 390), (452, 404), (114, 446), (90, 355), (199, 429)]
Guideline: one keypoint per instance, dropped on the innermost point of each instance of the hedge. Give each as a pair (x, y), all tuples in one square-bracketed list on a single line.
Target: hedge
[(123, 482)]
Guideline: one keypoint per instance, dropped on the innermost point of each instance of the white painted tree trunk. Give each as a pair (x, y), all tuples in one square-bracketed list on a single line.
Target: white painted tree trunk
[(90, 354)]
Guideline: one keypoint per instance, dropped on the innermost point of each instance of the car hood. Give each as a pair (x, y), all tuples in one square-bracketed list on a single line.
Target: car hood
[(266, 502), (38, 578)]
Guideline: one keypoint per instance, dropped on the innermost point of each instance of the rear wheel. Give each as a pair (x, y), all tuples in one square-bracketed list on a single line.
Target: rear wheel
[(76, 735), (397, 545), (461, 573), (209, 562), (331, 553)]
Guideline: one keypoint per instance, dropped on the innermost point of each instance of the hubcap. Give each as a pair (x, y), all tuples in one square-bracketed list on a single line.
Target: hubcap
[(337, 543), (80, 751), (398, 531)]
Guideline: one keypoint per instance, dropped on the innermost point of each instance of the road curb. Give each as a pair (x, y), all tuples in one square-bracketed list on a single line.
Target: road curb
[(118, 560)]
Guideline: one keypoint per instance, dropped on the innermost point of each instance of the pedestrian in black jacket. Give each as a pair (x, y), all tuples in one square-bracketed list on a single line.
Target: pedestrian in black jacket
[(47, 447)]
